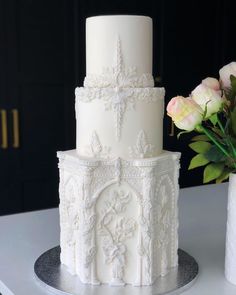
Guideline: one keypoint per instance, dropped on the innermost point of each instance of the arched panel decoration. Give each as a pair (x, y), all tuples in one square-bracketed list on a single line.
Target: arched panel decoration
[(117, 231), (118, 218)]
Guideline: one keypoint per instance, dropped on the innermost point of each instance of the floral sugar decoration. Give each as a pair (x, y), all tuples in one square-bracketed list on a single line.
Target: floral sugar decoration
[(210, 110)]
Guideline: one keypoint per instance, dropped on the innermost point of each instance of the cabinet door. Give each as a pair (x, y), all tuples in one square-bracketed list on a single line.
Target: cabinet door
[(42, 99), (40, 87), (10, 188)]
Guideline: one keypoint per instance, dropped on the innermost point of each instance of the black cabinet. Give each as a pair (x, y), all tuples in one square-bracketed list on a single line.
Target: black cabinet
[(42, 59), (196, 38), (37, 85)]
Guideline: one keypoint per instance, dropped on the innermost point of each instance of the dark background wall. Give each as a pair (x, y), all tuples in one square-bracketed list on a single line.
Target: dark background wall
[(42, 59)]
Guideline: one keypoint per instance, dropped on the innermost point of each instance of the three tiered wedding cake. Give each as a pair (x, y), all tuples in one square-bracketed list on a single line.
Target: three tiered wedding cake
[(119, 189)]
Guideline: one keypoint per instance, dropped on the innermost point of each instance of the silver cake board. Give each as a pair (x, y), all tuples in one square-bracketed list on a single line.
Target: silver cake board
[(55, 278)]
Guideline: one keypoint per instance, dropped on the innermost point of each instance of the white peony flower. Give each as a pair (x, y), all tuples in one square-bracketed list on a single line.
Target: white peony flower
[(207, 97), (185, 112), (225, 73)]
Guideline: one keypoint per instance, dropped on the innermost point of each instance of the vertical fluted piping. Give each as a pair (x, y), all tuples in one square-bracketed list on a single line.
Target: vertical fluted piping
[(138, 281)]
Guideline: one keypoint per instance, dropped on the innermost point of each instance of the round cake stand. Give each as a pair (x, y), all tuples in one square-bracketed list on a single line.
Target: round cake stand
[(54, 277)]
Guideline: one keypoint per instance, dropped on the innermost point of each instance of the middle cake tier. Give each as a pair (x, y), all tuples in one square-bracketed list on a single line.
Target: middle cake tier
[(119, 122)]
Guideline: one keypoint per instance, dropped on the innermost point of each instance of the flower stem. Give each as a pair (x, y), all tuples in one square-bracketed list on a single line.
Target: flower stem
[(221, 126), (208, 134), (224, 151), (227, 138), (233, 148)]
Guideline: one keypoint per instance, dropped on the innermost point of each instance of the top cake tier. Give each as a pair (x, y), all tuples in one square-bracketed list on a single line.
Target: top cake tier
[(119, 51)]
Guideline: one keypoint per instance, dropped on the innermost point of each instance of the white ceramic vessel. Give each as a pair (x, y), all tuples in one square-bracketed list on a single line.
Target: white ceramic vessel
[(230, 249)]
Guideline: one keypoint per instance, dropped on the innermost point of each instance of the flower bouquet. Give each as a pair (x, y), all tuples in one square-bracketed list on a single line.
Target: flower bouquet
[(210, 110)]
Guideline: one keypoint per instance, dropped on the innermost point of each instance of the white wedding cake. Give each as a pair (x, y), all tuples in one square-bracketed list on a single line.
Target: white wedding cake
[(119, 189)]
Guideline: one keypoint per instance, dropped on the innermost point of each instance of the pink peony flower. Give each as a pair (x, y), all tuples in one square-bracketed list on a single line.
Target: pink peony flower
[(205, 96), (225, 73), (185, 112)]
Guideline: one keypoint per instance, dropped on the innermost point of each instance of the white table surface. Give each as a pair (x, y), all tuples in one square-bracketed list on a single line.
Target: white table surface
[(202, 214)]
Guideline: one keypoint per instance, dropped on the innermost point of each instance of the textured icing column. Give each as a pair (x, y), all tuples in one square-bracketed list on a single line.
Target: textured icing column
[(135, 33)]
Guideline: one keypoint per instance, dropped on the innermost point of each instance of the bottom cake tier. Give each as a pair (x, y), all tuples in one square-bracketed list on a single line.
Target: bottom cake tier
[(119, 218)]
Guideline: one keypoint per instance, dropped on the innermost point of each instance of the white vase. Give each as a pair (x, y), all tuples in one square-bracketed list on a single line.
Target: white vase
[(230, 250)]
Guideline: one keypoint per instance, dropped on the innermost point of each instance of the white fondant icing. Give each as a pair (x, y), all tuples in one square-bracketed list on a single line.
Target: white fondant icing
[(95, 148), (117, 115), (114, 228), (142, 148), (109, 95), (119, 95), (135, 34), (119, 189), (126, 221), (119, 75)]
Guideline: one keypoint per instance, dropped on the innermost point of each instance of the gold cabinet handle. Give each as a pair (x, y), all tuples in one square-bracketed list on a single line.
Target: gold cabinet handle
[(172, 129), (4, 144), (16, 135)]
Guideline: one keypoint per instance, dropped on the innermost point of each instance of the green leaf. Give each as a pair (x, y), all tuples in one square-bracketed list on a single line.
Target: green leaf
[(233, 83), (214, 154), (200, 146), (201, 137), (212, 171), (214, 119), (233, 120), (224, 175), (198, 161)]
